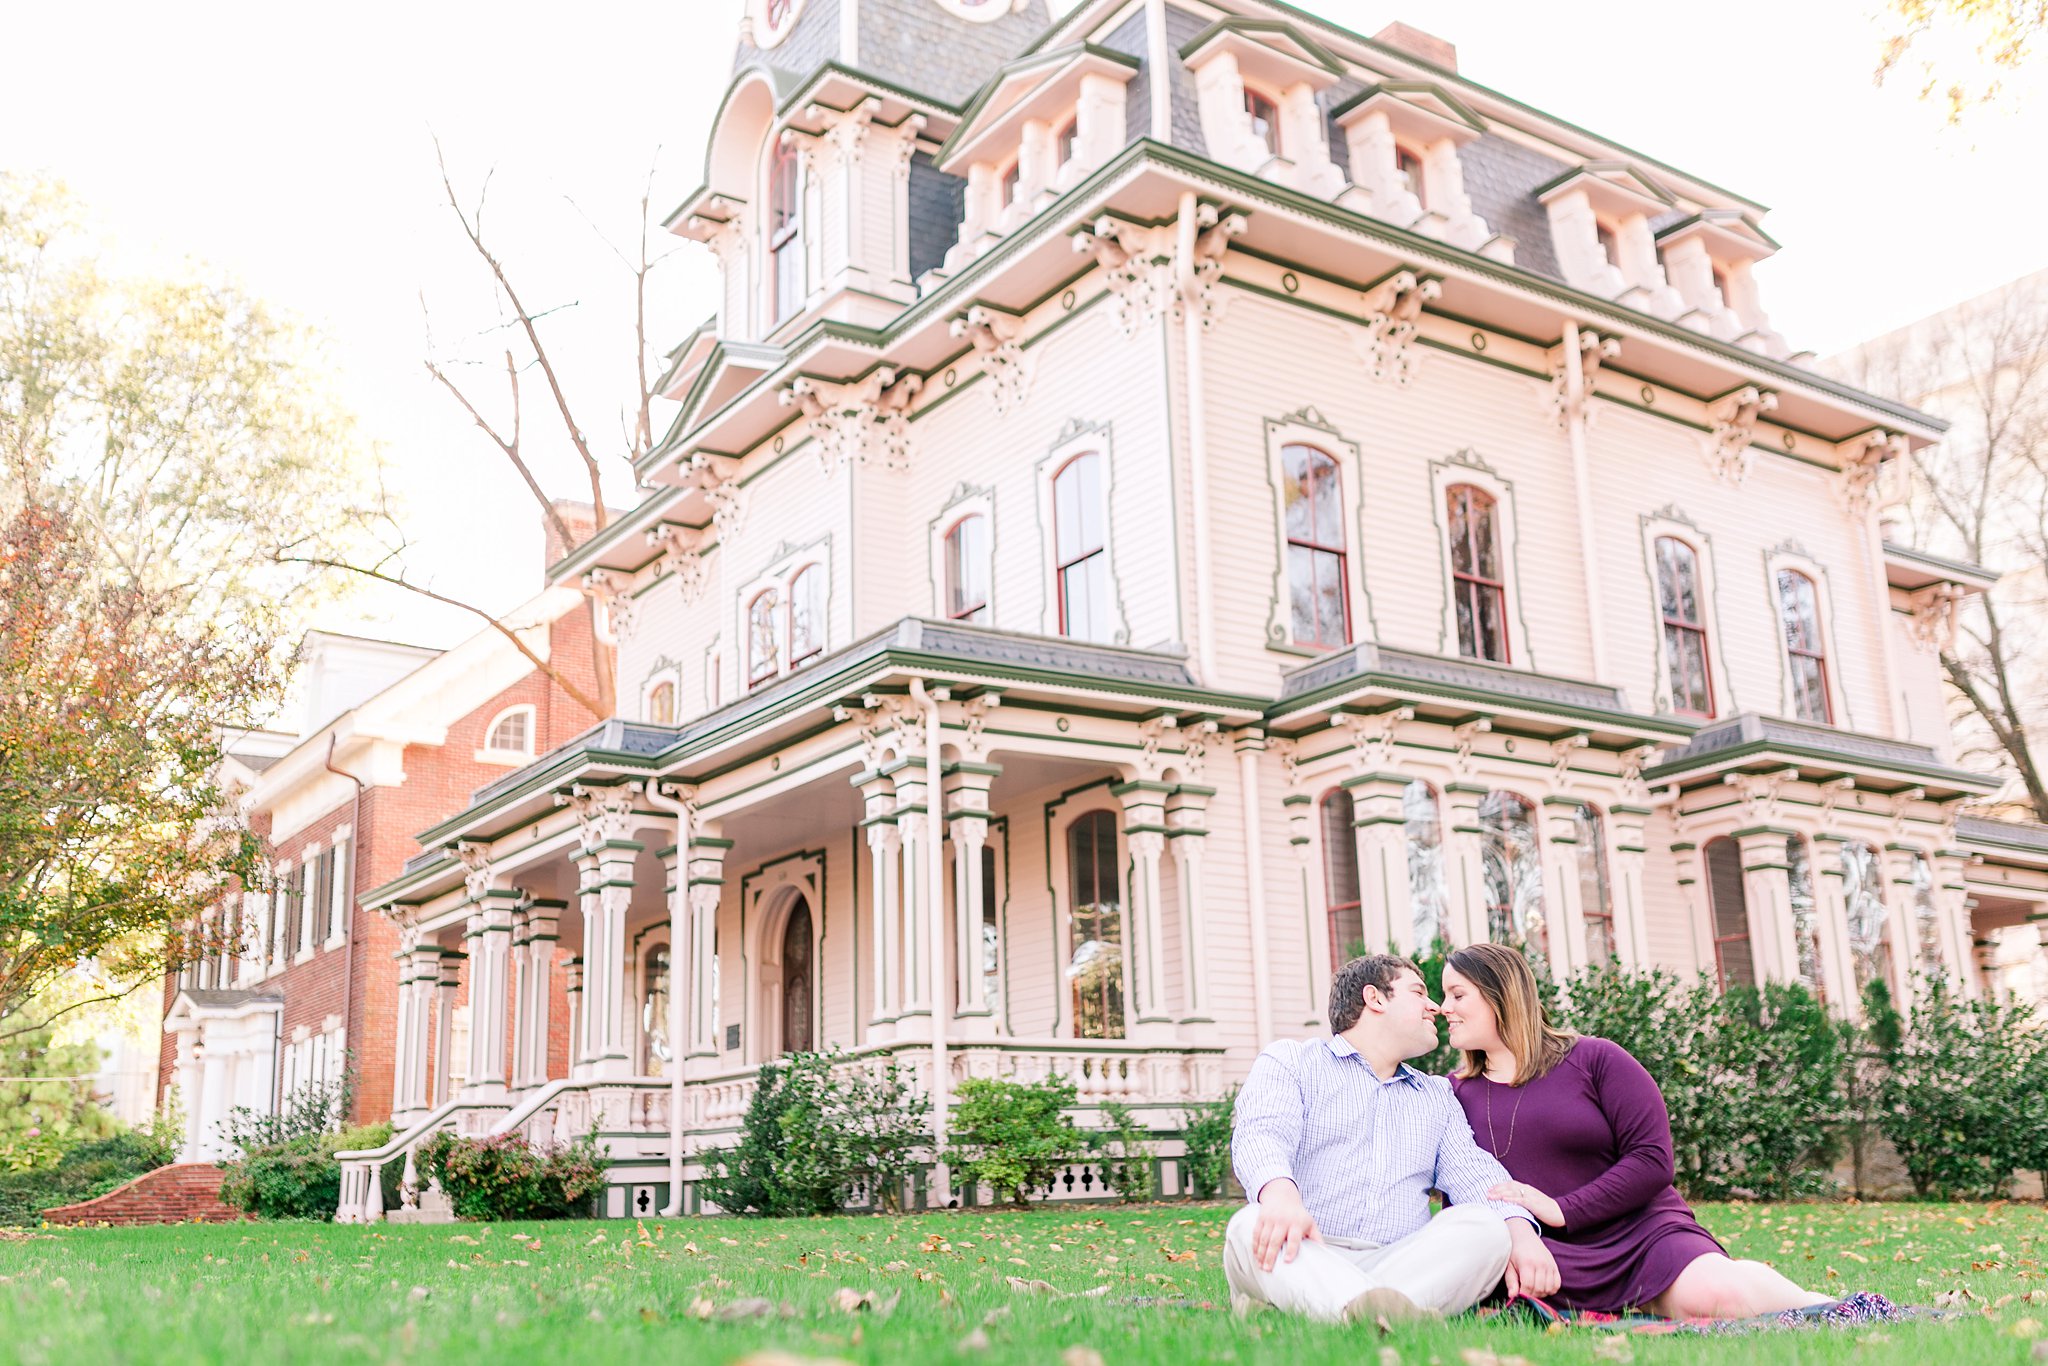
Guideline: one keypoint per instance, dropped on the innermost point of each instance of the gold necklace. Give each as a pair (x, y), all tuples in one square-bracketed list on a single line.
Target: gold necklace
[(1493, 1139)]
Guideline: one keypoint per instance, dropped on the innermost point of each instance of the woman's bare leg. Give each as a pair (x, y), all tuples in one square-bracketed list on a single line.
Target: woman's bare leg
[(1717, 1287)]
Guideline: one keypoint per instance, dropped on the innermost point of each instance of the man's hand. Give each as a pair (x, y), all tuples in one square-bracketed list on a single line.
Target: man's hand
[(1532, 1270), (1283, 1225)]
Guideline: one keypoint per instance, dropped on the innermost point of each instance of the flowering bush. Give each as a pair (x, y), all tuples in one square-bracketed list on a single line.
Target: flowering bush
[(506, 1177)]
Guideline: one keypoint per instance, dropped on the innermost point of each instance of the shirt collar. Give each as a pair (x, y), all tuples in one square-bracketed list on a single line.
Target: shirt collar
[(1340, 1047)]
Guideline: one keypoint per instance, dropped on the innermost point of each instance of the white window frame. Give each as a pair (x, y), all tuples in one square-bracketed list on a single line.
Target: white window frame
[(1655, 527), (342, 892), (714, 675), (1444, 475), (309, 863), (1079, 440), (1795, 559), (781, 576), (1293, 431), (671, 674), (966, 502), (279, 955), (511, 758), (1060, 870)]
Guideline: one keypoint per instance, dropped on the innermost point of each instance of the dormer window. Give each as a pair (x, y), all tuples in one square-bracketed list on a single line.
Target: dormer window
[(1063, 144), (1409, 166), (1265, 117), (1011, 178), (1610, 245), (785, 237)]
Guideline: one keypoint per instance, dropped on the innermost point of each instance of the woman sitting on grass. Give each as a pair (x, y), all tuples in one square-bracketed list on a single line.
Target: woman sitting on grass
[(1582, 1129)]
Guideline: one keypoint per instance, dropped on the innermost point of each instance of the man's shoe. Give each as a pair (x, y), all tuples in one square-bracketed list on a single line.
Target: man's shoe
[(1384, 1306)]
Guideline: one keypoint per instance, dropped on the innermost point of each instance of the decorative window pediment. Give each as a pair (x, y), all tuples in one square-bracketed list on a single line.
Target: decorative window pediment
[(1267, 51), (1416, 111), (1615, 189)]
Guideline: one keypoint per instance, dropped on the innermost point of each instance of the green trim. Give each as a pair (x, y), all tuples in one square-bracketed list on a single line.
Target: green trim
[(1460, 111), (1313, 52)]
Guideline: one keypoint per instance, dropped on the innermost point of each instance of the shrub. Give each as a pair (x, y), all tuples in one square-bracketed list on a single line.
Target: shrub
[(1205, 1134), (84, 1171), (1960, 1093), (44, 1109), (506, 1177), (1013, 1136), (1126, 1153), (312, 1109), (817, 1126), (300, 1177), (1762, 1108)]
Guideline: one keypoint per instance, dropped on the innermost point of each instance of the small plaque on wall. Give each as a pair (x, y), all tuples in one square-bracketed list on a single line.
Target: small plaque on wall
[(732, 1037)]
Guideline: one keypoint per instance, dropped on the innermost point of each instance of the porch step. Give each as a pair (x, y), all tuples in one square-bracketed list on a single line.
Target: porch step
[(434, 1208), (182, 1193)]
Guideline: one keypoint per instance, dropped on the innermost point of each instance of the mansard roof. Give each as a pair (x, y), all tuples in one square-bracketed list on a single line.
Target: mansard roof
[(916, 45)]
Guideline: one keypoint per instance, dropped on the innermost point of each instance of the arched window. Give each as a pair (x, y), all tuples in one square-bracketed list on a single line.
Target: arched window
[(1340, 879), (764, 646), (1265, 119), (1806, 655), (1926, 917), (511, 731), (661, 703), (1428, 897), (1095, 961), (1081, 560), (1589, 853), (806, 615), (799, 982), (1514, 873), (1734, 960), (1315, 548), (1870, 948), (1063, 144), (657, 1051), (785, 232), (1805, 915), (1410, 167), (967, 569), (1478, 588), (1681, 604)]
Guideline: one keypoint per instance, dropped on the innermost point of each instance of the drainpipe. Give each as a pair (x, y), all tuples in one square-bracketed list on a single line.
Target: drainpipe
[(1158, 70), (1576, 398), (348, 947), (934, 803), (1249, 746), (1198, 436), (681, 980)]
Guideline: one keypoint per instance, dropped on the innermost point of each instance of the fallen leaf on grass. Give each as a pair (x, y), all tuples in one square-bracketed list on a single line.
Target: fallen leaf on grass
[(1051, 1291), (850, 1301), (754, 1307), (976, 1341)]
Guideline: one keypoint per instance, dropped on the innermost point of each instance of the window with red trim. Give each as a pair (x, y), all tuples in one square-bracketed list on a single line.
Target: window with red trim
[(1314, 516), (1805, 649), (785, 238), (1265, 117), (1080, 555), (1734, 962), (967, 569), (1478, 589), (1682, 607)]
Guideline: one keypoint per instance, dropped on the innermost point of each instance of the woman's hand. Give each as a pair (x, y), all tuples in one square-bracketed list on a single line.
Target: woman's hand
[(1529, 1198)]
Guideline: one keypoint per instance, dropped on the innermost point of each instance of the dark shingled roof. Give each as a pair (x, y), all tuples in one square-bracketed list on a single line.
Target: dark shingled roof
[(915, 44)]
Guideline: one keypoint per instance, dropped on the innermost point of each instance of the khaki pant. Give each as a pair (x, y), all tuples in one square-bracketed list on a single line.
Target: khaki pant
[(1447, 1267)]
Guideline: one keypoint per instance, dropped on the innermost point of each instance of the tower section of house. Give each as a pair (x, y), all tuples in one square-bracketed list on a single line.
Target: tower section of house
[(1171, 496)]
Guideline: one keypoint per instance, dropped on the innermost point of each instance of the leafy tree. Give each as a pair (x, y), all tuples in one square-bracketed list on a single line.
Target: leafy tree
[(46, 1105), (2003, 36)]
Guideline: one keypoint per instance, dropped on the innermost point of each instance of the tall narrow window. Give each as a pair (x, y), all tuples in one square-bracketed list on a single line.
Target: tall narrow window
[(1410, 166), (1926, 917), (1478, 589), (991, 935), (1095, 961), (1265, 120), (1870, 947), (1734, 962), (1428, 895), (1595, 900), (1011, 179), (1513, 871), (785, 232), (661, 703), (1082, 563), (806, 615), (1682, 607), (656, 1050), (799, 982), (1805, 915), (1340, 879), (1063, 143), (1805, 654), (967, 569), (1315, 548), (1610, 245), (764, 646)]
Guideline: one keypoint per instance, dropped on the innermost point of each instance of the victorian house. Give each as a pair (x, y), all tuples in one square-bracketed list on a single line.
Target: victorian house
[(1171, 496)]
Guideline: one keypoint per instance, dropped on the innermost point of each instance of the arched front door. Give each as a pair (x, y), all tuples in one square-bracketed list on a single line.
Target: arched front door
[(799, 980)]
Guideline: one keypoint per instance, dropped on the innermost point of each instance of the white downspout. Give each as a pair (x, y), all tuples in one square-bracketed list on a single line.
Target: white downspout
[(935, 909), (1255, 875), (1198, 437), (1575, 400), (681, 981), (1158, 69)]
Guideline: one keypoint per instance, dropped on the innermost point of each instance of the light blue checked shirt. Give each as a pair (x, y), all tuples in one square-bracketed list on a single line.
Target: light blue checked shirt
[(1364, 1152)]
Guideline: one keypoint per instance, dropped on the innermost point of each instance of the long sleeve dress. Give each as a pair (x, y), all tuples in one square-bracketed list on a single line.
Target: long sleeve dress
[(1593, 1134)]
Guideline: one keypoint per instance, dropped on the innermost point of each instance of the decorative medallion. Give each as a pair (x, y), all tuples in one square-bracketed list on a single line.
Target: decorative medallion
[(769, 21)]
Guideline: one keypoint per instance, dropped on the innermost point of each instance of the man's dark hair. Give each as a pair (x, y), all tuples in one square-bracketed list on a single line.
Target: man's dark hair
[(1347, 992)]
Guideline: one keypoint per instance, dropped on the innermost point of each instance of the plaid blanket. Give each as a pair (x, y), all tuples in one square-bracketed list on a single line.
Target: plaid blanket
[(1860, 1308)]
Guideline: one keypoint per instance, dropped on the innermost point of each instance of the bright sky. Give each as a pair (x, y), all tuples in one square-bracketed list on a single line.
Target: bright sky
[(289, 146)]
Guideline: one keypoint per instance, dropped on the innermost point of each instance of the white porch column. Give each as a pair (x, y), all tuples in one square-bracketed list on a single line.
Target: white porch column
[(1187, 818), (706, 884), (1464, 864), (1562, 907), (606, 892), (572, 992), (419, 977), (522, 984), (490, 954), (1952, 906), (967, 786), (1831, 911), (1627, 848), (1767, 891), (452, 965), (543, 922), (915, 893), (878, 801), (1380, 830), (1900, 915), (211, 1105), (1145, 831), (186, 1071)]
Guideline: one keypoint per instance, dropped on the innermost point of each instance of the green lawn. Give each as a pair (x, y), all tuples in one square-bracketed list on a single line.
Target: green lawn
[(603, 1292)]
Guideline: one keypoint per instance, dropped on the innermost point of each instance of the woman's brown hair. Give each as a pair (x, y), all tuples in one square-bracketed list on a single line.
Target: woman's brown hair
[(1501, 976)]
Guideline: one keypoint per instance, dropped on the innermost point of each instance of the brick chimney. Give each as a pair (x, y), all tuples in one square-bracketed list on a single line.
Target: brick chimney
[(1416, 43)]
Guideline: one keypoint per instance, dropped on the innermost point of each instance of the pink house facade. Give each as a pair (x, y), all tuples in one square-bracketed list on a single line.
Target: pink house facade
[(1171, 496)]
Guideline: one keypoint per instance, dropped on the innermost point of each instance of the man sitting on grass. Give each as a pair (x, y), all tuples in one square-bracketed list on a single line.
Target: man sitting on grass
[(1338, 1143)]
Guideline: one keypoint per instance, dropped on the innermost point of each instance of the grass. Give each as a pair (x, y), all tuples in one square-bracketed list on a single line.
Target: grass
[(614, 1291)]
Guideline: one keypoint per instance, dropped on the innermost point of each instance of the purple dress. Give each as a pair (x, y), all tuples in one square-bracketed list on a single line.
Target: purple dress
[(1593, 1134)]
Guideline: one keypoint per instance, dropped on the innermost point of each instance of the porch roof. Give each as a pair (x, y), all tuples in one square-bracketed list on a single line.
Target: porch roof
[(1751, 742), (2018, 841)]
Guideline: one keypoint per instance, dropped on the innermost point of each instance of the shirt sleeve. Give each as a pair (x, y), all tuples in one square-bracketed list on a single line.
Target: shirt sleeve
[(1465, 1171), (1266, 1128), (1628, 1096)]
